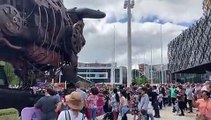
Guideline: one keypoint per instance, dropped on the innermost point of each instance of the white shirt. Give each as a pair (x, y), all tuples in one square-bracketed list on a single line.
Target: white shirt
[(204, 88), (150, 108), (62, 116)]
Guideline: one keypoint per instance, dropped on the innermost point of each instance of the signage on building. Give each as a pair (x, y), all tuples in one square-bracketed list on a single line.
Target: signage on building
[(9, 114)]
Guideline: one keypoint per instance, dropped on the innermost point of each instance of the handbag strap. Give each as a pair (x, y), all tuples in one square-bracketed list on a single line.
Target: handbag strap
[(67, 115)]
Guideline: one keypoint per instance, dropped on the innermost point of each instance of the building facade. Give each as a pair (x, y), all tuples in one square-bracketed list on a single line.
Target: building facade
[(146, 70), (102, 73), (190, 51)]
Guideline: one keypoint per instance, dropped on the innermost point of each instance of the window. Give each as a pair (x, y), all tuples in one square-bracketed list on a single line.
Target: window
[(2, 82), (117, 75), (92, 75), (102, 75)]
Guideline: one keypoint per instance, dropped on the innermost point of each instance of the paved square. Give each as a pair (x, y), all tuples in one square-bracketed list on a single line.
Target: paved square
[(166, 114)]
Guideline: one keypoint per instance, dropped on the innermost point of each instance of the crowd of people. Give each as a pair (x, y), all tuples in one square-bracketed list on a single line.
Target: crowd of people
[(144, 102)]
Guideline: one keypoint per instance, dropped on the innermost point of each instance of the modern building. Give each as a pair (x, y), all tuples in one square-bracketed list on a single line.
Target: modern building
[(189, 52), (136, 74), (157, 74), (102, 73), (146, 70)]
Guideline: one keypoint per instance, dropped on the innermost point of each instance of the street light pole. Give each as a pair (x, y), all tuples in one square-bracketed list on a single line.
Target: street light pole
[(128, 4), (151, 77), (113, 59), (161, 40)]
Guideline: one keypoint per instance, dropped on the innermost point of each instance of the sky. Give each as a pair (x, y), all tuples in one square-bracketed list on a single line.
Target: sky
[(151, 19)]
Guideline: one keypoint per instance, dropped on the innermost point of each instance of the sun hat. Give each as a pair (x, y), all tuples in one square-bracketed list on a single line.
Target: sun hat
[(74, 101)]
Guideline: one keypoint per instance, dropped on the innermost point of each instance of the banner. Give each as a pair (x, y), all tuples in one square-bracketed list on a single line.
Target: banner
[(30, 113), (9, 114)]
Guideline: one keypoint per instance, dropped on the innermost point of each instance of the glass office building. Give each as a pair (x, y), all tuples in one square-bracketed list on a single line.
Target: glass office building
[(102, 72)]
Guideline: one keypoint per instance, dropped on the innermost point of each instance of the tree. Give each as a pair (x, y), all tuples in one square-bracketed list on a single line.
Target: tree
[(141, 80), (11, 76)]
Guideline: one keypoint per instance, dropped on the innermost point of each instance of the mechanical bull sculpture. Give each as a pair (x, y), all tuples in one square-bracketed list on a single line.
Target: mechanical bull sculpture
[(42, 35)]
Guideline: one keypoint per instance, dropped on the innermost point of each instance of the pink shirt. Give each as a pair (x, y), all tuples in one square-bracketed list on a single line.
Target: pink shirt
[(204, 107), (100, 101), (92, 101)]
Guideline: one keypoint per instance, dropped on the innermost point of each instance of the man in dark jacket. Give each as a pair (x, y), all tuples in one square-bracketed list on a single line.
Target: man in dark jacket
[(152, 93), (155, 104)]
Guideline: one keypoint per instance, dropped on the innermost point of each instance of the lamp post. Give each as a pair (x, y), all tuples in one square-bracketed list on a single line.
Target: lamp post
[(151, 77), (113, 59), (161, 41), (129, 4)]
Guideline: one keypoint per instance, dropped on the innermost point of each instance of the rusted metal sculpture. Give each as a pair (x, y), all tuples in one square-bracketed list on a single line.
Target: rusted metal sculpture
[(42, 35)]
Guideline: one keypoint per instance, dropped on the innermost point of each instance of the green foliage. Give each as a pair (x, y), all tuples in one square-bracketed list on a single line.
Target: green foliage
[(141, 80), (11, 76)]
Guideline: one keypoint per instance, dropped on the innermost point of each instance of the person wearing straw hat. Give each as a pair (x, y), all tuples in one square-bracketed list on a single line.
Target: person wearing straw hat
[(76, 104)]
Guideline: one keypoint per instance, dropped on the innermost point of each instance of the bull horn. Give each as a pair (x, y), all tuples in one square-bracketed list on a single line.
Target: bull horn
[(88, 13)]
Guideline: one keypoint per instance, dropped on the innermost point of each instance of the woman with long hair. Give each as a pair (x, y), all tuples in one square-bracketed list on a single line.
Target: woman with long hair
[(115, 104), (123, 104), (92, 103), (134, 102)]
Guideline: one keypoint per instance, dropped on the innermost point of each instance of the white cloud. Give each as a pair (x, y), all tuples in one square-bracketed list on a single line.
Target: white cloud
[(174, 10), (99, 34)]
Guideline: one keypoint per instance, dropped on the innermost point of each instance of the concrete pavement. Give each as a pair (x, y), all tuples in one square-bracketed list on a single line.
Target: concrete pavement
[(166, 114)]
